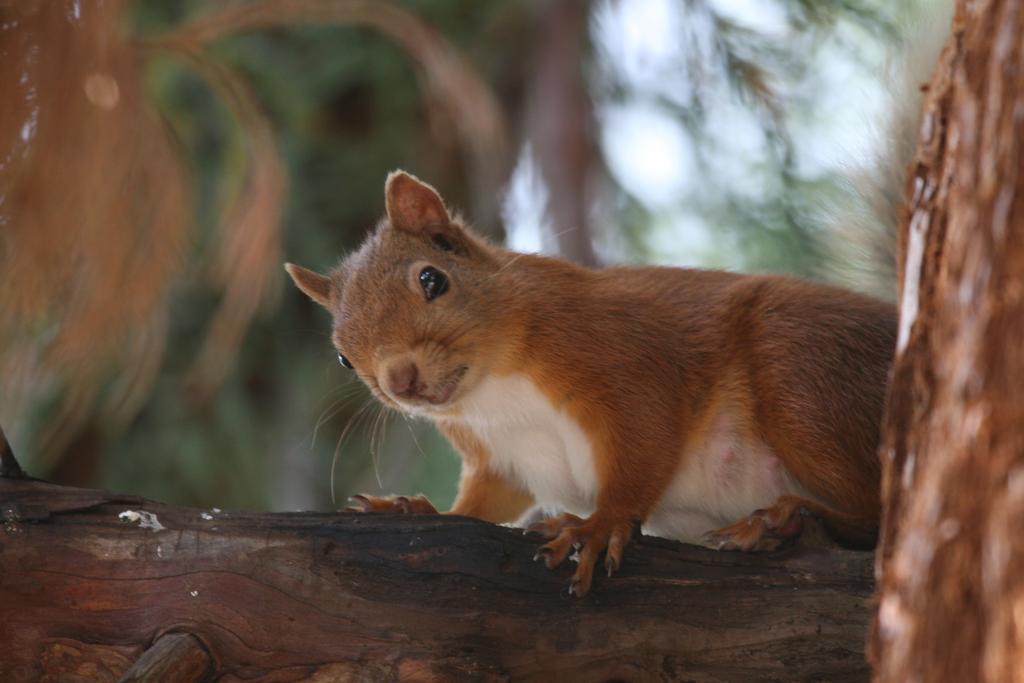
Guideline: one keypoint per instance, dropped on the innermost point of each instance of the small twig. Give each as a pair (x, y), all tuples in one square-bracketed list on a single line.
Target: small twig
[(9, 467)]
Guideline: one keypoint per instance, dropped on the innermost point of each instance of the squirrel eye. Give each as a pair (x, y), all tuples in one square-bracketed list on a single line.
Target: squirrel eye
[(433, 282), (345, 362)]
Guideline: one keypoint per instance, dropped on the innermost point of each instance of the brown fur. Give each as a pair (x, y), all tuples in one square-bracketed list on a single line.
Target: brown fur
[(642, 357)]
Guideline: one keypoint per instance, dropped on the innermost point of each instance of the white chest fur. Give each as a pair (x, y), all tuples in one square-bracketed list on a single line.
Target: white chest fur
[(533, 442)]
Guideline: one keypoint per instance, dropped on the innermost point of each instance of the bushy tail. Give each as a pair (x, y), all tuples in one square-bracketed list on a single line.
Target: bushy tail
[(863, 241)]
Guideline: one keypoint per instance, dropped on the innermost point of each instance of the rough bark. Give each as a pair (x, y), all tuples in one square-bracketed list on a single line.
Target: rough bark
[(951, 561), (305, 596)]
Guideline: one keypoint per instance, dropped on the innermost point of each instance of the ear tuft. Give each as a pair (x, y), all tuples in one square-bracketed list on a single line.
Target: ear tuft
[(412, 205), (314, 285)]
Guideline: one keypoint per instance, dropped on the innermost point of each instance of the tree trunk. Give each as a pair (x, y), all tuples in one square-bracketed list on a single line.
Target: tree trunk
[(91, 582), (560, 126), (951, 595)]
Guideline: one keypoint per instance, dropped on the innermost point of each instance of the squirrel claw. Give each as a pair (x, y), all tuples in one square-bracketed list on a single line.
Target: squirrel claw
[(716, 541), (358, 503), (580, 583)]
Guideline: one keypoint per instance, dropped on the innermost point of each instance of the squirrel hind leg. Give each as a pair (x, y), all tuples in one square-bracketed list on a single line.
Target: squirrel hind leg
[(785, 520)]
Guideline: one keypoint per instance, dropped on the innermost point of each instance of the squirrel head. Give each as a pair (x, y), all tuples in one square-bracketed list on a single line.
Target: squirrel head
[(419, 313)]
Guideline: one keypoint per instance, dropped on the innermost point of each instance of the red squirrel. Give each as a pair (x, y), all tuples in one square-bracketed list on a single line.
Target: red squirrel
[(710, 407)]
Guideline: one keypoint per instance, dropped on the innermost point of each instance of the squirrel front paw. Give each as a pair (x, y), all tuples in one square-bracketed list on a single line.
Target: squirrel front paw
[(400, 504), (590, 537)]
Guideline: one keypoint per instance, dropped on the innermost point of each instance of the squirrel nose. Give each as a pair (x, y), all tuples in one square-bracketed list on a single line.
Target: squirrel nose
[(403, 378)]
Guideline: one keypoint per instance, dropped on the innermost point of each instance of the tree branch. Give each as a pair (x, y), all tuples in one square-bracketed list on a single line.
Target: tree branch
[(88, 581), (174, 658)]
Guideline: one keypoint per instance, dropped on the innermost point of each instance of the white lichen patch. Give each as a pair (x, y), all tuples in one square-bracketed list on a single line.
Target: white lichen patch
[(145, 520), (896, 625), (912, 277), (893, 618), (949, 529), (907, 478)]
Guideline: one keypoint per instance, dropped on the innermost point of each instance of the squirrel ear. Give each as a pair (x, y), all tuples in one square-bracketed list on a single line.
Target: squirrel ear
[(314, 285), (412, 205)]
